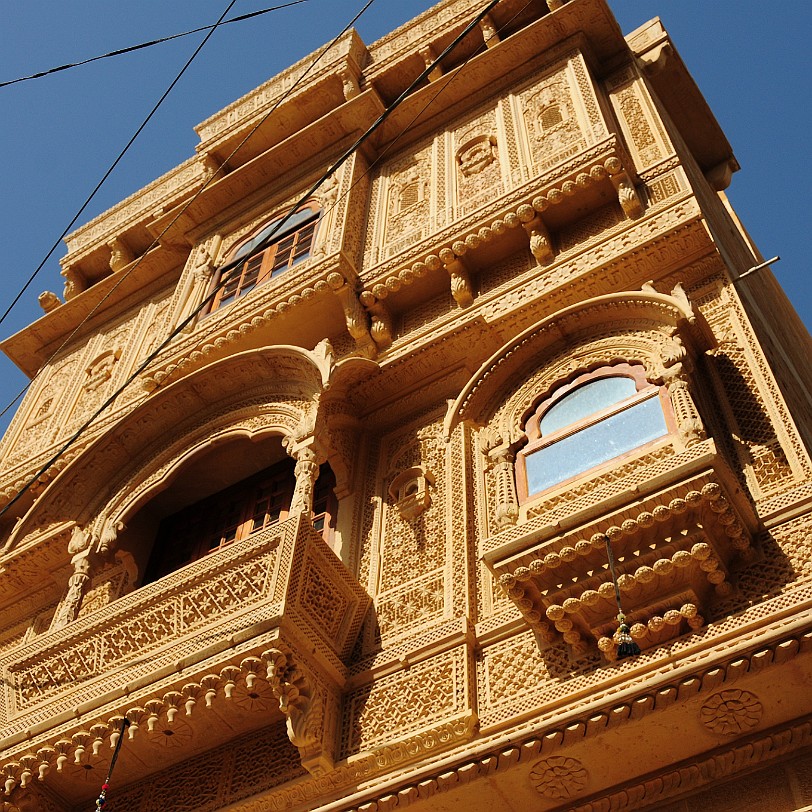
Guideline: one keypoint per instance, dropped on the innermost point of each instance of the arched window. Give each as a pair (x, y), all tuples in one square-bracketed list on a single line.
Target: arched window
[(260, 501), (259, 262), (596, 418)]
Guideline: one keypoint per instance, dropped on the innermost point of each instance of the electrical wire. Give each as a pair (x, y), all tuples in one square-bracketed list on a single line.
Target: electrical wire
[(148, 44), (132, 268), (116, 162), (205, 185), (224, 277)]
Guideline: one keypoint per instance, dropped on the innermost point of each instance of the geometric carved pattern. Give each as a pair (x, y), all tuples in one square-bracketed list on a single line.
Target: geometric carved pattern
[(161, 620), (395, 705), (416, 603), (323, 599)]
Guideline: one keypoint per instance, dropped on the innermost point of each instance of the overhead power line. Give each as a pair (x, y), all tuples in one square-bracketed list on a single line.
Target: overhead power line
[(188, 203), (210, 29), (149, 44), (181, 326)]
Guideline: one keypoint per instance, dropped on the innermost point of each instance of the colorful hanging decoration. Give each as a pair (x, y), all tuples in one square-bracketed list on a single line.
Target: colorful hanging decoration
[(102, 799), (626, 647)]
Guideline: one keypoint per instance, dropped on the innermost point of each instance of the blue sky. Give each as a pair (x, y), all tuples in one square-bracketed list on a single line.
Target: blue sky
[(60, 133)]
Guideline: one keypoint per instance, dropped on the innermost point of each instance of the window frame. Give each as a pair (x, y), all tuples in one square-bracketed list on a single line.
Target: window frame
[(644, 390), (247, 494), (261, 265)]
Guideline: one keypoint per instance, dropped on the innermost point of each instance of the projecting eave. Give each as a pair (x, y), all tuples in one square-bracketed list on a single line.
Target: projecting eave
[(683, 101), (33, 346)]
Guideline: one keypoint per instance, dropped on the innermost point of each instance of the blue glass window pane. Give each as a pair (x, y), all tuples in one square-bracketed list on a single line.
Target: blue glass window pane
[(602, 441), (586, 400), (293, 222)]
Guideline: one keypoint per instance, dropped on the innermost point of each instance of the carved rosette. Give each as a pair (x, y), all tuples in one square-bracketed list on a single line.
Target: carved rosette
[(731, 712), (559, 777)]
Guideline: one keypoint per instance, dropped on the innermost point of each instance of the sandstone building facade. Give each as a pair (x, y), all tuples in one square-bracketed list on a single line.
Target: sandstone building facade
[(397, 447)]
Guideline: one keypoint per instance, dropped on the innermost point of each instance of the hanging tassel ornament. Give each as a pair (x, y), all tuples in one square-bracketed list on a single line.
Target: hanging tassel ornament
[(626, 647), (102, 799)]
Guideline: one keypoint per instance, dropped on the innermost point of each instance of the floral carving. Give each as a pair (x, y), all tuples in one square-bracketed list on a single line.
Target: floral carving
[(731, 712), (559, 777)]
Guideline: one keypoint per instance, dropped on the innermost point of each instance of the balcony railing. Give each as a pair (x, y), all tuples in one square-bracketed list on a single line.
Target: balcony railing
[(229, 626)]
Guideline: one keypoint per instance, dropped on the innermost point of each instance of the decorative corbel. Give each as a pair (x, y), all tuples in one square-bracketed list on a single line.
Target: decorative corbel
[(357, 320), (655, 60), (211, 166), (626, 193), (350, 83), (427, 52), (381, 328), (460, 280), (108, 537), (307, 709), (489, 32), (75, 283), (541, 245), (555, 4), (121, 255)]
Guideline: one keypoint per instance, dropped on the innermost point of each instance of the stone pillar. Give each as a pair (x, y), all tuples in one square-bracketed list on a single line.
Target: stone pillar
[(69, 607), (507, 505), (689, 423)]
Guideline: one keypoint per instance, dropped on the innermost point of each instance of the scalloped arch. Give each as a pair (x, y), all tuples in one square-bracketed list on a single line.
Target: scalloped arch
[(271, 390), (631, 326)]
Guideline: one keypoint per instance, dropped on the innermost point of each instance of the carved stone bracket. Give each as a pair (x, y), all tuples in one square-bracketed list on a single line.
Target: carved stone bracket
[(460, 280), (627, 194), (308, 710), (428, 56), (121, 255), (350, 83), (382, 329), (489, 32), (541, 245), (358, 321)]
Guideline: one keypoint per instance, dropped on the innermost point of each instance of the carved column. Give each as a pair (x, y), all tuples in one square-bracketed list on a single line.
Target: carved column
[(689, 423), (69, 607), (673, 372), (501, 458), (507, 505)]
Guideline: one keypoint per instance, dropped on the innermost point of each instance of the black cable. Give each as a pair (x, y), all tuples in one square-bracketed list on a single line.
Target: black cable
[(115, 163), (208, 181), (148, 44), (224, 278)]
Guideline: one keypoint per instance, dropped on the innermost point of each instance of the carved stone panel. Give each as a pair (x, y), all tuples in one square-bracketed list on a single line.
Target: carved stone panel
[(559, 114)]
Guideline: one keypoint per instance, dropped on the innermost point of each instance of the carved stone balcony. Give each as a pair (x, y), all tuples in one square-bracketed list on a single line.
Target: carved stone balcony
[(674, 547), (252, 636)]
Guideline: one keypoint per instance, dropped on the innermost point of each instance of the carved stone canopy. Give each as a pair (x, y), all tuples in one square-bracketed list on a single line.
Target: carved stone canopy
[(280, 389), (664, 316), (675, 548)]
